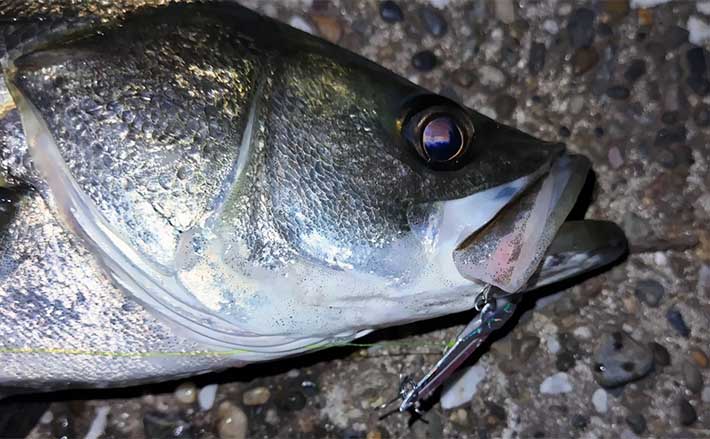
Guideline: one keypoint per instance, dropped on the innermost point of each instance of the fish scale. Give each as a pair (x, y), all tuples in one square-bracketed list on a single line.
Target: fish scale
[(150, 125)]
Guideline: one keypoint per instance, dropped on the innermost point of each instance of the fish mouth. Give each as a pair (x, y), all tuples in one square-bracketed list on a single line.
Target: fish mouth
[(509, 250)]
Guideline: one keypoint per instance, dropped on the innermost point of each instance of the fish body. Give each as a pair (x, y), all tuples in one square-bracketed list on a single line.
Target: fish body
[(193, 187)]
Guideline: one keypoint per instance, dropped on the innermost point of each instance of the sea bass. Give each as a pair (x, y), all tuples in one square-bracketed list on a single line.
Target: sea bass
[(193, 187)]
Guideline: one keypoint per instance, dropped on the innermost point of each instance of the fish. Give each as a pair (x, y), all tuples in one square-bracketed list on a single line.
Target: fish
[(191, 187)]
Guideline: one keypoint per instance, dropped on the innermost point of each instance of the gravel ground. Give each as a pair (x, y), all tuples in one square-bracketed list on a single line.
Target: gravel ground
[(624, 353)]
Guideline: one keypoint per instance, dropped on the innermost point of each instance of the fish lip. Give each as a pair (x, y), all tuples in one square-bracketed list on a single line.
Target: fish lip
[(531, 179), (442, 226), (569, 169)]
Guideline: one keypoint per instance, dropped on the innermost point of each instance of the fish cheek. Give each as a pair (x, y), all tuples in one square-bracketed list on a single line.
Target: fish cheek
[(337, 190)]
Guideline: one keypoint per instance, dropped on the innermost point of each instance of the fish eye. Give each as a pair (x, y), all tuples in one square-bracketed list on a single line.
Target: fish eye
[(440, 134), (442, 139)]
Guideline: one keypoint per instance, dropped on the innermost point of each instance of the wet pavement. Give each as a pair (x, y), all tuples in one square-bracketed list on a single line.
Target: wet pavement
[(622, 354)]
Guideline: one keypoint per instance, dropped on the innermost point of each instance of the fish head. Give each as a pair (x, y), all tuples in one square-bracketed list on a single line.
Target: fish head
[(375, 184)]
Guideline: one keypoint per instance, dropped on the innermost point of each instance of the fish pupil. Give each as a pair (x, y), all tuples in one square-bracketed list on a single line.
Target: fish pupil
[(442, 139)]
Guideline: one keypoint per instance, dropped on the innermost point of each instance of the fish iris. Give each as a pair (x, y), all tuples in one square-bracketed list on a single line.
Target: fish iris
[(442, 139)]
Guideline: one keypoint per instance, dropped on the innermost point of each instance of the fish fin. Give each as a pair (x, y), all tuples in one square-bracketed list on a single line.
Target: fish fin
[(579, 247)]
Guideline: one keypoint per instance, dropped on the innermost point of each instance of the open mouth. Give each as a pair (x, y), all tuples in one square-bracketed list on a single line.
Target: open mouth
[(509, 249)]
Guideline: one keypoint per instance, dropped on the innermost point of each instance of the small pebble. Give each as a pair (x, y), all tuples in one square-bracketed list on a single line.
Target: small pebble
[(565, 361), (505, 11), (661, 356), (186, 393), (636, 228), (350, 433), (614, 157), (552, 343), (650, 292), (569, 342), (256, 396), (599, 132), (307, 422), (328, 27), (631, 305), (674, 37), (98, 424), (667, 136), (556, 384), (496, 415), (697, 65), (309, 388), (615, 9), (692, 377), (583, 332), (699, 85), (580, 28), (600, 401), (424, 61), (301, 24), (460, 417), (706, 394), (666, 158), (504, 105), (490, 76), (434, 22), (206, 396), (62, 424), (391, 12), (604, 30), (463, 77), (272, 417), (670, 117), (564, 132), (619, 359), (699, 358), (635, 70), (677, 322), (536, 59), (47, 417), (686, 413), (166, 426), (580, 422), (551, 26), (618, 92), (698, 30), (584, 59), (462, 387), (637, 423), (701, 116), (525, 347), (645, 17), (291, 401), (231, 421)]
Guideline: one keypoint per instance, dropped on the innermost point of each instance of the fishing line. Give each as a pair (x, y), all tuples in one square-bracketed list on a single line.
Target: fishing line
[(154, 354)]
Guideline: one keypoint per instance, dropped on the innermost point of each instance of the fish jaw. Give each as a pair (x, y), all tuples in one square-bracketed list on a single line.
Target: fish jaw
[(508, 250)]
